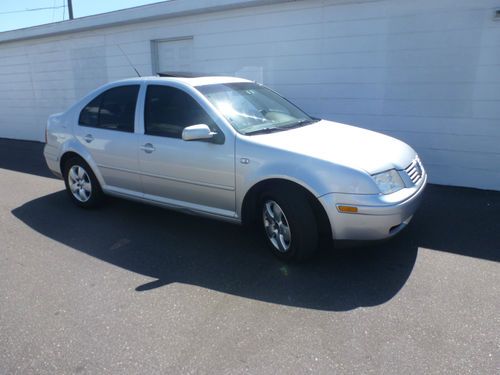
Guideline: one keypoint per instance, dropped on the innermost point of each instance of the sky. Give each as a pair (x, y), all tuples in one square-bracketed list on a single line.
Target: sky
[(14, 14)]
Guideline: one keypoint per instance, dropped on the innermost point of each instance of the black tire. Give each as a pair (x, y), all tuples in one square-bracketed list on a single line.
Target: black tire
[(302, 224), (95, 197)]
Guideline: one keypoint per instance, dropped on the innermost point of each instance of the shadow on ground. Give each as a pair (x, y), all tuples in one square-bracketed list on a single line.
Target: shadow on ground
[(459, 220), (23, 156), (173, 247)]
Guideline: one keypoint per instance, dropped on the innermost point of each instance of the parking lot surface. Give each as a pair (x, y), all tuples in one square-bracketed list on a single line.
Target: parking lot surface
[(131, 288)]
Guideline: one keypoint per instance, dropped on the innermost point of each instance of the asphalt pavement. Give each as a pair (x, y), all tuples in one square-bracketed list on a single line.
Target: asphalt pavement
[(135, 289)]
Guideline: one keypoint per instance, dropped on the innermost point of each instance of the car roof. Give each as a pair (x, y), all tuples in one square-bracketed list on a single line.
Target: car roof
[(190, 81)]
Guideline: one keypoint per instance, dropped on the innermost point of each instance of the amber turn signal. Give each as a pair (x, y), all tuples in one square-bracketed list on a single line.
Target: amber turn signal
[(347, 209)]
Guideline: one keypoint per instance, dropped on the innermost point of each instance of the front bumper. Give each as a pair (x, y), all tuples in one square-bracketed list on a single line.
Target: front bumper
[(378, 217)]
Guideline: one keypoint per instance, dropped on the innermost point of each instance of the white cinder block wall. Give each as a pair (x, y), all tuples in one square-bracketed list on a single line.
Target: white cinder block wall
[(427, 71)]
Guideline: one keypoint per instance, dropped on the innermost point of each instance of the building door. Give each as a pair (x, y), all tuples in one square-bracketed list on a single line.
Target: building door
[(172, 55)]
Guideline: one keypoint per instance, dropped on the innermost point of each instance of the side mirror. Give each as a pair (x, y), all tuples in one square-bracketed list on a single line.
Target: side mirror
[(197, 132)]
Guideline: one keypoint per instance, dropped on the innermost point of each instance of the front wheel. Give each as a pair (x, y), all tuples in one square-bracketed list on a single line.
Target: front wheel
[(81, 184), (289, 224)]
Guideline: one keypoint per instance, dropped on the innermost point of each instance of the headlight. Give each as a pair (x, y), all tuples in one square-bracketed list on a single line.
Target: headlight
[(388, 181)]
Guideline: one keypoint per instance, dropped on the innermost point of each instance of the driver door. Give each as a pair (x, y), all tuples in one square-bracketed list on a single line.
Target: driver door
[(197, 175)]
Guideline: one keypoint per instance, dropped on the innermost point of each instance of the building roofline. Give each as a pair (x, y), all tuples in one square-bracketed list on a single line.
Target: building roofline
[(155, 11)]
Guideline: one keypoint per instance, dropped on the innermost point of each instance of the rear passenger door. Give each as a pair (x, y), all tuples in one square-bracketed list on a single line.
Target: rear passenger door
[(106, 127), (198, 175)]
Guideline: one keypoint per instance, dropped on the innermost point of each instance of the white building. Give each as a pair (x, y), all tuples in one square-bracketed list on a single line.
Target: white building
[(427, 71)]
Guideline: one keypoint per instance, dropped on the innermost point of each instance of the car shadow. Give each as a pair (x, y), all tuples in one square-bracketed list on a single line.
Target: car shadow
[(457, 220), (174, 247), (23, 156)]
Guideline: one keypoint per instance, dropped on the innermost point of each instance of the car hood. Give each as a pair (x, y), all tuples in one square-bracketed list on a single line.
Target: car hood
[(342, 144)]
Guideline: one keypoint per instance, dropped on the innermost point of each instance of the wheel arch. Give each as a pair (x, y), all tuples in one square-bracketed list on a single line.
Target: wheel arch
[(71, 152), (249, 212), (65, 157)]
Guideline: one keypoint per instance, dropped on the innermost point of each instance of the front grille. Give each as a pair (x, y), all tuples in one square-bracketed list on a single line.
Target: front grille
[(414, 171)]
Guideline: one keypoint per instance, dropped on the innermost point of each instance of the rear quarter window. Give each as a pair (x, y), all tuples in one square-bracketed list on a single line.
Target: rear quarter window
[(89, 116)]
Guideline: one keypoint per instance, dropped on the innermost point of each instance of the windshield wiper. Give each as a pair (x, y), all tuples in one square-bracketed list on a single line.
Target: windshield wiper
[(264, 130), (300, 123), (273, 129)]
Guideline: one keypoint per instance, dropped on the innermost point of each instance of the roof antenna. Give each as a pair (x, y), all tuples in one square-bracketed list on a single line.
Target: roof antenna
[(129, 62)]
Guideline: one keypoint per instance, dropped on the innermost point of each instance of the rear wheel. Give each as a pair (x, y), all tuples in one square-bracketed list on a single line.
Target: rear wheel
[(289, 224), (81, 184)]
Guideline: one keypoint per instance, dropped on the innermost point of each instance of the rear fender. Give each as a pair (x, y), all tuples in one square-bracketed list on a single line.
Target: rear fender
[(76, 147)]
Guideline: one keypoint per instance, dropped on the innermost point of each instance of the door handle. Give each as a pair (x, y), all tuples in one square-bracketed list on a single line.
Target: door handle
[(88, 138), (147, 148)]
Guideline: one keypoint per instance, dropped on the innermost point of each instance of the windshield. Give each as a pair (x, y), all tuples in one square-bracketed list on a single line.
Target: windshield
[(254, 109)]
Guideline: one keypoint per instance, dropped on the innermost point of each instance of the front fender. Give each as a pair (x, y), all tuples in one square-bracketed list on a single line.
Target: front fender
[(316, 176)]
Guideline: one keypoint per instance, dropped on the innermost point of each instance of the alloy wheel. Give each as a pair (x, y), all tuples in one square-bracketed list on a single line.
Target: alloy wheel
[(79, 183), (276, 226)]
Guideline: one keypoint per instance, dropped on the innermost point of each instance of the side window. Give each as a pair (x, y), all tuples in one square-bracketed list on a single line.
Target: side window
[(89, 116), (114, 109), (169, 110)]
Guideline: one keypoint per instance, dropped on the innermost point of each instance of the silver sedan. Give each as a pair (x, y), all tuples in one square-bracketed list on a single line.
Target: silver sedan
[(235, 150)]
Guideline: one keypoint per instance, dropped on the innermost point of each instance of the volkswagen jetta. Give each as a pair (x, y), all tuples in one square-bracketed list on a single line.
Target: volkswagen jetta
[(232, 149)]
